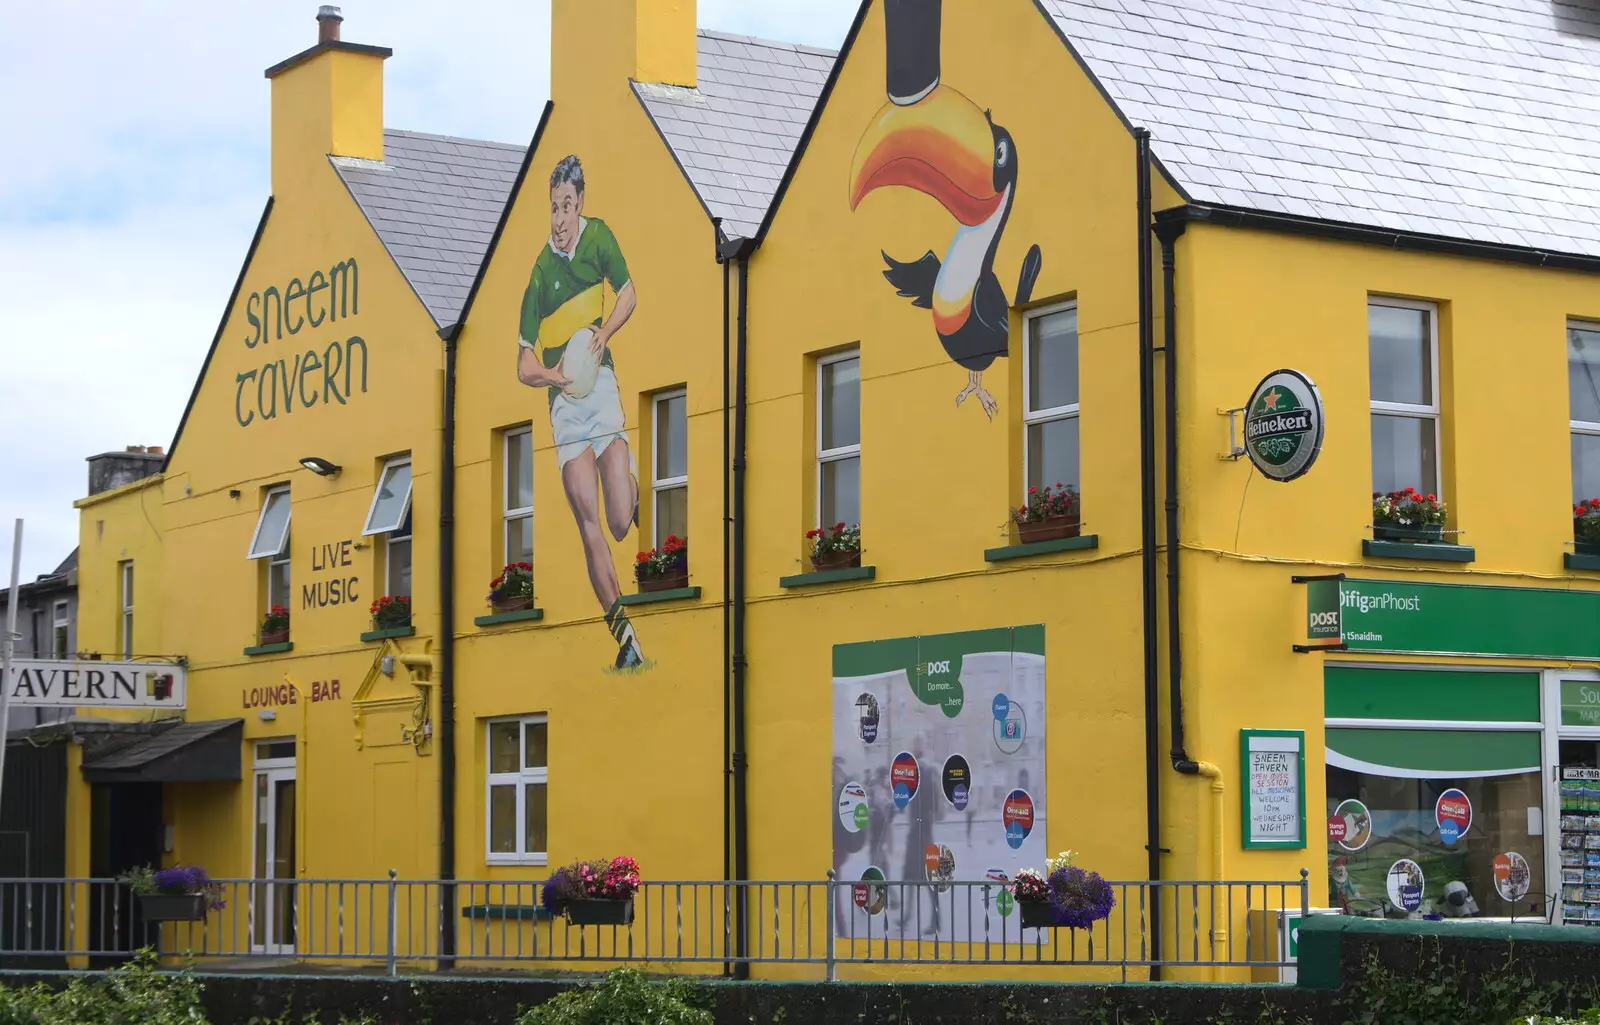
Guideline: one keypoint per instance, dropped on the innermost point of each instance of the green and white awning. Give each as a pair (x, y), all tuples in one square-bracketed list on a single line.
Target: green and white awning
[(1434, 754)]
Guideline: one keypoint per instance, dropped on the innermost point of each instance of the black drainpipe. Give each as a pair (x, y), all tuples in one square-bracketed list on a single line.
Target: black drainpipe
[(727, 571), (1168, 232), (447, 657), (1147, 542), (740, 250)]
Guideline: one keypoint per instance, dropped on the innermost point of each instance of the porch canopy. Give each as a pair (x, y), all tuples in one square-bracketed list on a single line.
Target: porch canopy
[(186, 752)]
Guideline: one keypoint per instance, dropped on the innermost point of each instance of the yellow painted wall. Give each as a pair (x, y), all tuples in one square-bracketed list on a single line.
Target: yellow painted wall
[(1251, 302), (636, 756)]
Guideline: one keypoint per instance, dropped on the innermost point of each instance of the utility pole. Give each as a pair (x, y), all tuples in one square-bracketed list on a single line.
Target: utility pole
[(8, 641)]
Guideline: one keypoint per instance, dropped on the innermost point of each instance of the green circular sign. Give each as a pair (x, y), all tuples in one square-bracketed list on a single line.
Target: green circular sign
[(1283, 425), (1005, 902)]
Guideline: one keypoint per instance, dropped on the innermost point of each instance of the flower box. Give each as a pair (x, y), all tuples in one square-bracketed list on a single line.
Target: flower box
[(1393, 530), (1586, 547), (837, 560), (664, 583), (514, 604), (391, 611), (170, 907), (665, 568), (274, 636), (1052, 528), (594, 911), (1586, 527), (1037, 914)]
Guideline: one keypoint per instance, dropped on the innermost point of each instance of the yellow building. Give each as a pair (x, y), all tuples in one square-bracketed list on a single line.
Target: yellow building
[(740, 291)]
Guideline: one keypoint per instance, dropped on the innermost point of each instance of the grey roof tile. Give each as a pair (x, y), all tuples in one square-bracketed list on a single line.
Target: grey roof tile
[(434, 201), (1471, 118), (753, 101)]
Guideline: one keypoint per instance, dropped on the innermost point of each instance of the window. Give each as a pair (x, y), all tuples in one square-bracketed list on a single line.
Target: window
[(271, 542), (518, 809), (62, 622), (397, 560), (839, 439), (272, 529), (1583, 380), (1403, 346), (517, 500), (671, 477), (127, 609), (391, 514), (1050, 415), (391, 499)]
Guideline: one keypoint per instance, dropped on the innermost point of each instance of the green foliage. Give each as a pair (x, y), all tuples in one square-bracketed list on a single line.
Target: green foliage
[(1440, 992), (625, 997), (1589, 1017)]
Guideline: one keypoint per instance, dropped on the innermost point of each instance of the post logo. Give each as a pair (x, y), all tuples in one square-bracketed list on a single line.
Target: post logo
[(1283, 425)]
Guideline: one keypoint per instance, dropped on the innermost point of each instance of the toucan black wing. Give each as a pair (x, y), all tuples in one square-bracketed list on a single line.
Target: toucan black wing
[(1031, 265), (913, 281)]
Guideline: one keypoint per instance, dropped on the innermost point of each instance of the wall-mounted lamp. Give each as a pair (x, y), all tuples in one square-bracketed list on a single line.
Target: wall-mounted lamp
[(233, 492), (321, 467)]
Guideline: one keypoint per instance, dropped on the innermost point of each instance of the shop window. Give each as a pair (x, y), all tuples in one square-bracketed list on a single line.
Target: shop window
[(1395, 860), (1583, 381), (839, 439), (390, 515), (1050, 414), (1403, 349), (61, 640), (127, 609), (517, 796), (270, 545), (670, 478), (517, 496)]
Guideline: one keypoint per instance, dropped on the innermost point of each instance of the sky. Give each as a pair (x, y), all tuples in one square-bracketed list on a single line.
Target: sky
[(136, 170)]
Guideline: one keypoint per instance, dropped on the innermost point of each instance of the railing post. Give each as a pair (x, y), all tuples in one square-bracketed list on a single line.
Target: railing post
[(833, 931), (1305, 894), (394, 925)]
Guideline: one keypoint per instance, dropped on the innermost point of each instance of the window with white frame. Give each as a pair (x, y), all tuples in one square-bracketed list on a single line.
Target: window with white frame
[(61, 635), (670, 478), (517, 496), (271, 543), (517, 801), (127, 609), (1583, 381), (1050, 414), (1403, 349), (839, 439), (390, 515)]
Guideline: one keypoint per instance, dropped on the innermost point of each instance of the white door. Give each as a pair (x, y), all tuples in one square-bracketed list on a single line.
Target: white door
[(274, 903)]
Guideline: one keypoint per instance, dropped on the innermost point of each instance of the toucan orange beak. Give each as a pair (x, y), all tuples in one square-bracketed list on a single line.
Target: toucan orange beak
[(942, 146)]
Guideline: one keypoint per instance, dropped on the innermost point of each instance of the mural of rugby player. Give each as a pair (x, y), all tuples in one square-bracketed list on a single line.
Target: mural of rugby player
[(565, 348)]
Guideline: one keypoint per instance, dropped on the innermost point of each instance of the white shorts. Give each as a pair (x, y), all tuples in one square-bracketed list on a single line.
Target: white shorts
[(592, 422)]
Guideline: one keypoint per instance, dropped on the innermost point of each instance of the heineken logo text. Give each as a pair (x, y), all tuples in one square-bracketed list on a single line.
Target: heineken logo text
[(1298, 422)]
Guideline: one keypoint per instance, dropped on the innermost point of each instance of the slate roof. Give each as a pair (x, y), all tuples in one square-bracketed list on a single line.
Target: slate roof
[(163, 742), (735, 133), (435, 201), (1476, 119)]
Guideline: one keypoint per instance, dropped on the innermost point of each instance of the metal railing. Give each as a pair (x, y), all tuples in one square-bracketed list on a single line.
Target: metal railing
[(389, 924)]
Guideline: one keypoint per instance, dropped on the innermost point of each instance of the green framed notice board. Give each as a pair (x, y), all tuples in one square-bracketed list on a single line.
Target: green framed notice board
[(1272, 793)]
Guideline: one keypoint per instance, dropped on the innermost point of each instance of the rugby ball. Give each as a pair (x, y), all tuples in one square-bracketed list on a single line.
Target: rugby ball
[(579, 364)]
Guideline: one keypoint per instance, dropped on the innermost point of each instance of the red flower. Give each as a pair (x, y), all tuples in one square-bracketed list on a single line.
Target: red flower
[(1433, 498)]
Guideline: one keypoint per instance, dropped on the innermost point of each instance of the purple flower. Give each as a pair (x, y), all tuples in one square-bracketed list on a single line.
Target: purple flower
[(1079, 898)]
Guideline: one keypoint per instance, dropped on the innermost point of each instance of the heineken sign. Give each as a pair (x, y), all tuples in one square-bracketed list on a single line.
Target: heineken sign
[(1283, 425), (1453, 619)]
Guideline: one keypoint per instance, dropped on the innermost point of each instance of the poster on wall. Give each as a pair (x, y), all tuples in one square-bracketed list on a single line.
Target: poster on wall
[(938, 776)]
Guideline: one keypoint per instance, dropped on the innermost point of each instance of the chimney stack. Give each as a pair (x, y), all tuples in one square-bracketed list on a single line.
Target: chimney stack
[(328, 19), (114, 469)]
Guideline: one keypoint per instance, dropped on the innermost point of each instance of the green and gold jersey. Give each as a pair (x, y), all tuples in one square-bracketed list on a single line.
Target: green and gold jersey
[(566, 294)]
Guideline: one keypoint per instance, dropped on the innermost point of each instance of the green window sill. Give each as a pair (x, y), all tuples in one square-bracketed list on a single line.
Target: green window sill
[(1424, 551), (828, 576), (389, 631), (651, 597), (269, 649), (1581, 560), (1082, 542), (522, 616)]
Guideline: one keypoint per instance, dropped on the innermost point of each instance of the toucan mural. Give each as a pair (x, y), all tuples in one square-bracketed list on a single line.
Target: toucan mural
[(931, 138)]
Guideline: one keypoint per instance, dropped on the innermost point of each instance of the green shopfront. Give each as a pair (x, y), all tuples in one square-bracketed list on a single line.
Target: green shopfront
[(1463, 749)]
